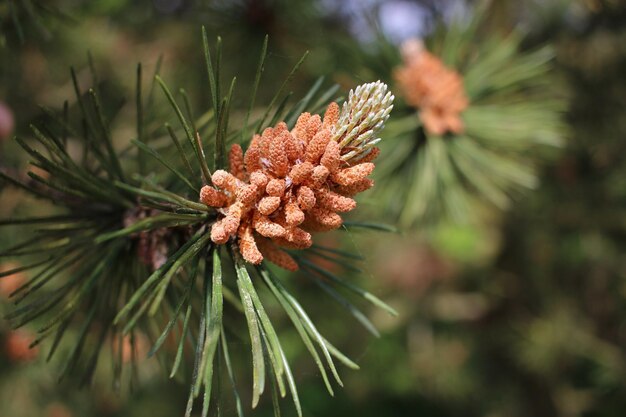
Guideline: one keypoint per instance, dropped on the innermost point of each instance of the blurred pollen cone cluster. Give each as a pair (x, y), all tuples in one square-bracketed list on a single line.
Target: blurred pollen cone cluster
[(57, 409), (17, 346), (10, 283), (7, 122), (16, 342), (291, 183), (436, 91)]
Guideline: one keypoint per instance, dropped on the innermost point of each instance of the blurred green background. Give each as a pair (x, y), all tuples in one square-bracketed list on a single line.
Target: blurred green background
[(523, 314)]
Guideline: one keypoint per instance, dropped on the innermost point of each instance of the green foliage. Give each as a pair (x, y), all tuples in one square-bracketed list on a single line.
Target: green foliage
[(101, 252), (513, 119)]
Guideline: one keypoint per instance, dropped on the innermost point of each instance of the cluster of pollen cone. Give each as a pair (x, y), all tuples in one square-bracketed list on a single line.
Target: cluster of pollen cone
[(432, 88), (290, 183)]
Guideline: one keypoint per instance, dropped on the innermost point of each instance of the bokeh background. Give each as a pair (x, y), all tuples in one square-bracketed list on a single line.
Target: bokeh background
[(521, 314)]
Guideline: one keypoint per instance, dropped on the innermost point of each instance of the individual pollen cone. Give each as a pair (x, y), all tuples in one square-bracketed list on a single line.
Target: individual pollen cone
[(277, 256), (436, 91), (235, 159), (248, 246), (290, 183), (211, 197)]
